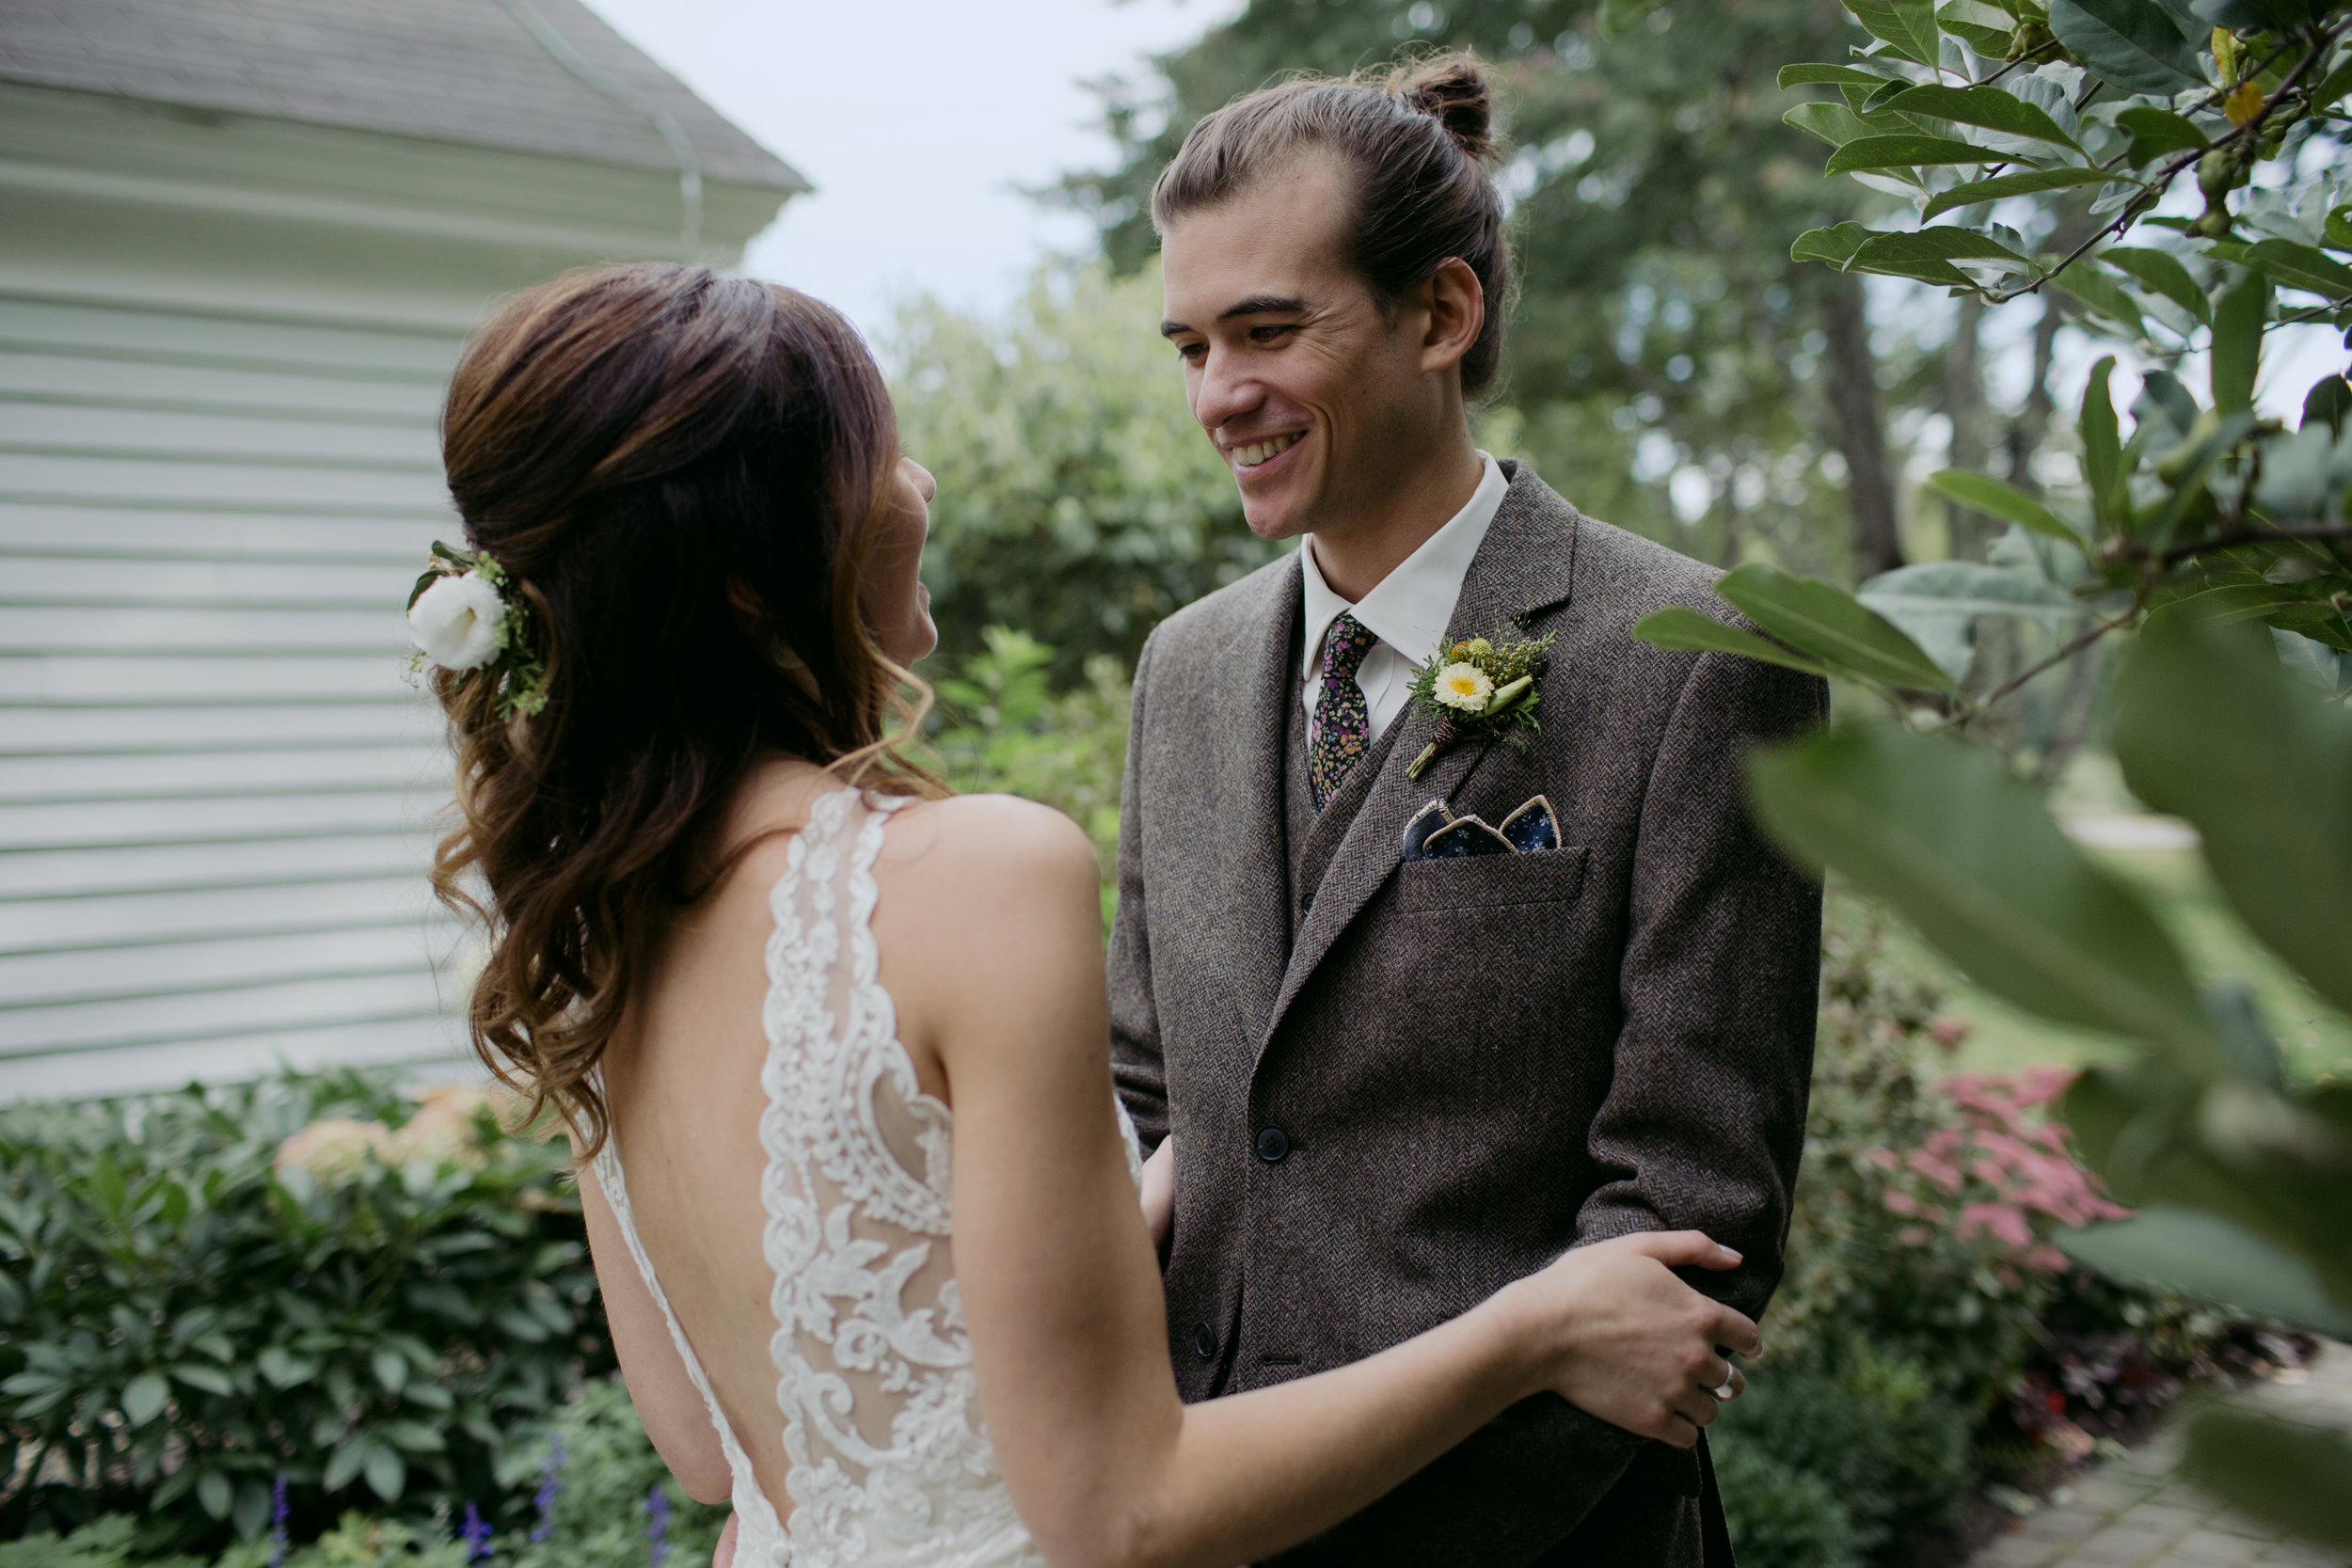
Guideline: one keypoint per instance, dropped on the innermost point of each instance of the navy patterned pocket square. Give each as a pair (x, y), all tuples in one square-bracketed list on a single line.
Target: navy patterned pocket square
[(1434, 833)]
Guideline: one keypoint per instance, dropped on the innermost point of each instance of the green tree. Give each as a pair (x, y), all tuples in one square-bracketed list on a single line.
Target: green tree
[(2215, 540), (1077, 500)]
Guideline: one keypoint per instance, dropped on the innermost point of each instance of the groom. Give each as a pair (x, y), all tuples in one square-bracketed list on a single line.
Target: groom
[(1396, 1080)]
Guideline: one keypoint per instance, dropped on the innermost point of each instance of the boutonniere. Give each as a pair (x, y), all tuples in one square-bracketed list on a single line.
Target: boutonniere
[(1484, 687)]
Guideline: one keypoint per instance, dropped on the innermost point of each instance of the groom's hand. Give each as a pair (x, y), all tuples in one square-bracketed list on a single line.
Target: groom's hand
[(1159, 1194)]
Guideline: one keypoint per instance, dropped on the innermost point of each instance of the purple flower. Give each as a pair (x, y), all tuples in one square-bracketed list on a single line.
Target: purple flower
[(658, 1531), (475, 1533), (277, 1512), (550, 1488)]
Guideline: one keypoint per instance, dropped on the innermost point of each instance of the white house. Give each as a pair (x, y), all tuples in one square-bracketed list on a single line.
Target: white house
[(240, 244)]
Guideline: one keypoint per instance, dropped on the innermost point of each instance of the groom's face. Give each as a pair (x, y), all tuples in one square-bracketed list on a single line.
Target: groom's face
[(1314, 396)]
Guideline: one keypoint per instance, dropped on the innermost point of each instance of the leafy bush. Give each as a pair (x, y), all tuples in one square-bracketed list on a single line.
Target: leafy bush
[(1927, 1338), (589, 1475), (1004, 728), (317, 1279)]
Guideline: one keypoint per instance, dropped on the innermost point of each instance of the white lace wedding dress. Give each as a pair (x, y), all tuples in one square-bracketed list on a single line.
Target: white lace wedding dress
[(890, 1461)]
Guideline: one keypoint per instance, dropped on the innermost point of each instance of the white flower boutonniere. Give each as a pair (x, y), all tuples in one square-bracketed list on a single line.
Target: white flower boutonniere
[(1483, 686)]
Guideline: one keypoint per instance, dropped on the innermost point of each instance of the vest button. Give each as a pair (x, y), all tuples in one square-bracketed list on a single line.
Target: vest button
[(1204, 1341), (1274, 1145)]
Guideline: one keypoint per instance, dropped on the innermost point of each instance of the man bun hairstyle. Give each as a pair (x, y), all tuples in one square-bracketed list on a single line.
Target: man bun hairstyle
[(1419, 137)]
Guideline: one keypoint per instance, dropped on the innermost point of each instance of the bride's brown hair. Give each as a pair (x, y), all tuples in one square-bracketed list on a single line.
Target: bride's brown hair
[(680, 474)]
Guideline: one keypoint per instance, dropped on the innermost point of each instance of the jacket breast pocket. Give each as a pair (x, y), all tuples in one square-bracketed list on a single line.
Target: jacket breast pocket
[(1491, 881)]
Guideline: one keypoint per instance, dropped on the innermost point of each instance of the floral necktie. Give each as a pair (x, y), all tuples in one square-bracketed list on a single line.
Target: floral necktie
[(1343, 722)]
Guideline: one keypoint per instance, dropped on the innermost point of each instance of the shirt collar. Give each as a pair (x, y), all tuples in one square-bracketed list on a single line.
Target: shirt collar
[(1409, 609)]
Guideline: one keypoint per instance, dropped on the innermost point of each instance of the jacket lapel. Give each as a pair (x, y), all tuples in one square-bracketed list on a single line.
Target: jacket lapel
[(1248, 865), (1523, 567)]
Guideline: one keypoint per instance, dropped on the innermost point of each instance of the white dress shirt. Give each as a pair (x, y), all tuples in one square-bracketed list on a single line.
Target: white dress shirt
[(1407, 610)]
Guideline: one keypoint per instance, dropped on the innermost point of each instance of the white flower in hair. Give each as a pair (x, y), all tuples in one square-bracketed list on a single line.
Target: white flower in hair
[(456, 622)]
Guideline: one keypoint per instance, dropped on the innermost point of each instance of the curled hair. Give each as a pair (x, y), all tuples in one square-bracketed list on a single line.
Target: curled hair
[(1419, 139), (679, 472)]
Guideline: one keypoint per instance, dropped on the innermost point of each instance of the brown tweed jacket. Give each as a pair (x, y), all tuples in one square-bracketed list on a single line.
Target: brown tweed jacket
[(1396, 1087)]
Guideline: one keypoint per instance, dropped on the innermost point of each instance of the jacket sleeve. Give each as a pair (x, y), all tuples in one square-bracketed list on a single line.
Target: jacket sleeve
[(1704, 1117), (1702, 1126), (1136, 1062)]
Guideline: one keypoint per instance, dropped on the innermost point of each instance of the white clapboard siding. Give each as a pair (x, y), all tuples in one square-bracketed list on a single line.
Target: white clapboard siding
[(218, 792)]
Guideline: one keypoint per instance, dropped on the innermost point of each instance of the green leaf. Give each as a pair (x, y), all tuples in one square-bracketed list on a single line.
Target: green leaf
[(143, 1398), (387, 1471), (1987, 29), (106, 1185), (2337, 84), (252, 1509), (2001, 499), (414, 1437), (1836, 246), (1928, 253), (2089, 286), (2289, 1473), (1831, 625), (2103, 451), (1988, 107), (1972, 857), (2194, 1253), (2130, 44), (283, 1368), (2302, 266), (1678, 628), (211, 1379), (2030, 181), (343, 1465), (1615, 16), (214, 1492), (2157, 133), (2328, 401), (390, 1369), (1833, 123), (1815, 75), (2208, 727), (1908, 26), (1936, 604), (1904, 151), (2238, 342), (2160, 272)]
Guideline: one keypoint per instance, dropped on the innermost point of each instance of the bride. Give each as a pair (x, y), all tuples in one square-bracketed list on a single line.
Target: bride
[(831, 1041)]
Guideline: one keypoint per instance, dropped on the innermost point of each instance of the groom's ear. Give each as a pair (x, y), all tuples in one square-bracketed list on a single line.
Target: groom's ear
[(1453, 308)]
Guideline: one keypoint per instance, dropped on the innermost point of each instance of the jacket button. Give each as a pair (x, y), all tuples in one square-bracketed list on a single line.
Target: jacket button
[(1204, 1341), (1274, 1145)]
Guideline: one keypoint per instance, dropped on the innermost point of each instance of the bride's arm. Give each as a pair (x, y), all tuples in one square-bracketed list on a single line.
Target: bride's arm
[(1060, 1288)]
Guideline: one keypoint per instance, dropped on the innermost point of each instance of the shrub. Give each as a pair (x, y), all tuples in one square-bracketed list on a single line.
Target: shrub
[(317, 1279), (590, 1474)]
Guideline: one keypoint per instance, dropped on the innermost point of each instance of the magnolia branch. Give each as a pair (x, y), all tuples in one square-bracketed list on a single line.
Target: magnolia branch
[(2155, 187)]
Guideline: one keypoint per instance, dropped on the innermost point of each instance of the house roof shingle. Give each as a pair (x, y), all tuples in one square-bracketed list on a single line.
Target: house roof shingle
[(466, 71)]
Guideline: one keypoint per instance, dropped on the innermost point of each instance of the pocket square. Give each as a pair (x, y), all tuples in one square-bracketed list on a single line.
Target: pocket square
[(1434, 833)]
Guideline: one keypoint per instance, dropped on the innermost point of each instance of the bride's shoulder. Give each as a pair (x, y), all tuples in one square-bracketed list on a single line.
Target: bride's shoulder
[(971, 844)]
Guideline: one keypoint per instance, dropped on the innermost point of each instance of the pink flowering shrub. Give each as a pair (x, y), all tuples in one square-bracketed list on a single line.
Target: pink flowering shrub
[(1998, 1175)]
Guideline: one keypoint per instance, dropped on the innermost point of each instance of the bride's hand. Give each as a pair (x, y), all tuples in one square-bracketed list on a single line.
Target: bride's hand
[(1159, 1193), (1627, 1341)]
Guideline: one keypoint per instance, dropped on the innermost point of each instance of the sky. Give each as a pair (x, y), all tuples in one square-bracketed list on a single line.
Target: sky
[(919, 122)]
